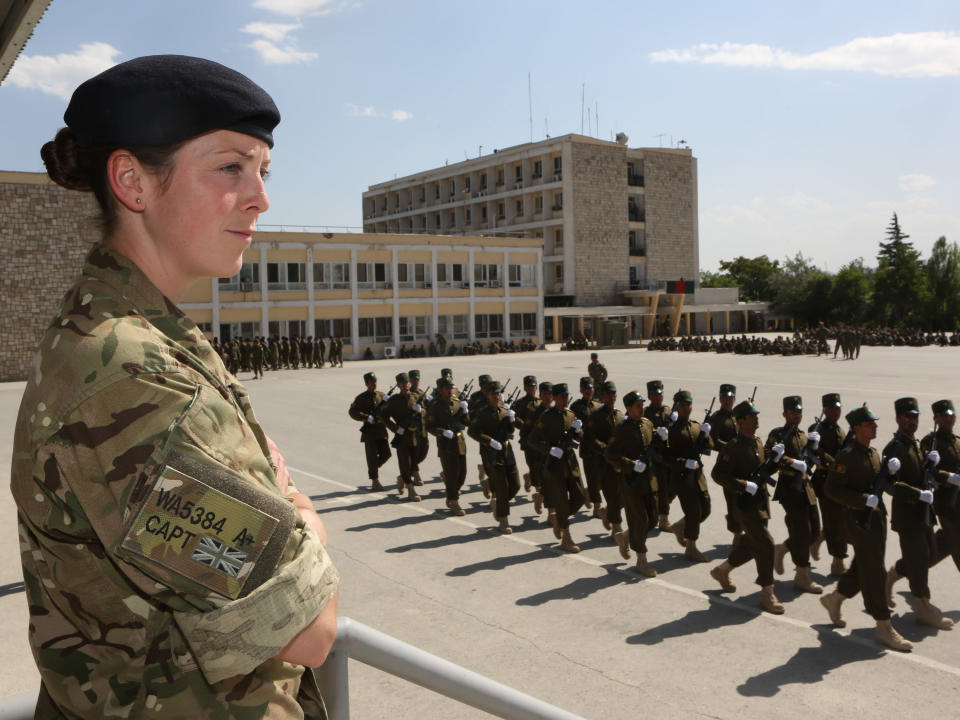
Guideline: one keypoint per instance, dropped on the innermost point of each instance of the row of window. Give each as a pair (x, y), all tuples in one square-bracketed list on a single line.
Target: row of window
[(373, 276)]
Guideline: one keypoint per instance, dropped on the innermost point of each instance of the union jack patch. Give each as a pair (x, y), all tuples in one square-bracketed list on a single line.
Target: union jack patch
[(840, 469), (219, 555)]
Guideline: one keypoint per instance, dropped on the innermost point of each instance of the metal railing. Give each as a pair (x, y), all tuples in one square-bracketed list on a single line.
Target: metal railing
[(359, 642)]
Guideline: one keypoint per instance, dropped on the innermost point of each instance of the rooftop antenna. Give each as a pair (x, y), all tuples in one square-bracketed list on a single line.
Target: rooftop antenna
[(546, 130), (596, 111), (583, 90), (660, 137), (589, 119), (530, 102)]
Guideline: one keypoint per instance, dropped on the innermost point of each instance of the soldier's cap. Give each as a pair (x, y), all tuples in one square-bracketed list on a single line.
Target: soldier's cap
[(632, 398), (859, 415), (608, 386), (943, 407), (160, 100), (655, 386), (446, 372), (402, 377), (745, 408), (370, 376), (683, 396), (728, 390), (906, 406), (831, 400), (414, 374), (560, 389), (586, 382), (493, 386), (793, 402), (593, 356), (483, 380), (546, 387), (444, 382), (529, 380)]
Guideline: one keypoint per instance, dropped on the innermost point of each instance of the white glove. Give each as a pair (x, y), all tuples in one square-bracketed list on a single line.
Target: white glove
[(556, 452), (463, 405), (751, 487), (705, 428), (926, 496), (371, 419), (814, 439), (893, 465), (429, 398), (872, 501), (933, 457), (511, 415), (690, 464), (416, 408), (673, 416), (799, 465), (639, 466), (778, 450), (448, 434), (663, 433), (953, 479), (495, 445), (400, 431), (576, 425)]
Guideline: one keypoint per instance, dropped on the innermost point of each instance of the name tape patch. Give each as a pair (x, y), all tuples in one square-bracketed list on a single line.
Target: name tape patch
[(199, 532)]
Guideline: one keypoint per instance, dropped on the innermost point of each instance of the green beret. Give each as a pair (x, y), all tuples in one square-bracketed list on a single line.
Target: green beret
[(609, 386), (529, 380), (402, 377), (367, 377), (859, 415), (655, 386), (943, 407), (493, 386), (728, 390), (444, 382), (483, 380), (446, 372), (683, 396), (793, 402), (831, 400), (546, 387), (414, 374), (632, 398), (745, 408), (906, 405), (560, 389), (160, 100), (586, 382)]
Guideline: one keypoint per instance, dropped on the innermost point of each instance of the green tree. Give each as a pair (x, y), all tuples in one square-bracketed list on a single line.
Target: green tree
[(851, 294), (754, 276), (900, 289), (943, 279), (715, 279), (803, 290)]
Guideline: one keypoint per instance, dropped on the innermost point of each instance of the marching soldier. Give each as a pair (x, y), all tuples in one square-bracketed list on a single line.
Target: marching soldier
[(403, 415), (852, 483), (295, 353), (591, 455), (373, 432), (660, 416), (321, 350), (534, 459), (524, 407), (421, 396), (476, 402), (685, 474), (492, 428), (948, 474), (596, 371), (629, 465), (723, 429), (602, 426), (555, 436), (258, 358), (736, 470), (831, 440), (795, 494), (447, 373), (912, 515), (447, 420)]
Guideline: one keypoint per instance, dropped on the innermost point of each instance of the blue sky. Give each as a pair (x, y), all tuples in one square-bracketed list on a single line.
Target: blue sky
[(812, 122)]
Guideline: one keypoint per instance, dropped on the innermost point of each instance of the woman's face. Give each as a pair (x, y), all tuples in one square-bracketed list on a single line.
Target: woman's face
[(205, 218)]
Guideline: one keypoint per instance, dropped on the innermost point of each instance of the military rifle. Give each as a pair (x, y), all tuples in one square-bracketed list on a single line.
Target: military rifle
[(513, 396), (810, 456), (411, 418), (567, 441), (376, 410), (929, 481), (465, 393), (762, 475), (796, 481), (659, 445), (879, 485), (700, 448), (753, 394), (503, 435)]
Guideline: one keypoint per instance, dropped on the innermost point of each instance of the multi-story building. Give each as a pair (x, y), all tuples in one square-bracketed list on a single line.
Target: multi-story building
[(611, 218)]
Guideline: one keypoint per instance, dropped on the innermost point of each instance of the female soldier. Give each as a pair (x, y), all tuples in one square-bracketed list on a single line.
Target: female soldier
[(170, 564)]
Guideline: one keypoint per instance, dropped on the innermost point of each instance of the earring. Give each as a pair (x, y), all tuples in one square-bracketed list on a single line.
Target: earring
[(139, 201)]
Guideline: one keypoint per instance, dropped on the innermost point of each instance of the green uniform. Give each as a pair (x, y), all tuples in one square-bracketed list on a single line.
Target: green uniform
[(661, 498), (562, 484), (831, 441), (490, 423), (603, 423), (424, 446), (687, 483), (723, 429), (526, 409), (796, 495), (373, 432), (448, 416), (598, 372), (164, 569), (406, 423), (591, 454), (630, 442), (945, 500)]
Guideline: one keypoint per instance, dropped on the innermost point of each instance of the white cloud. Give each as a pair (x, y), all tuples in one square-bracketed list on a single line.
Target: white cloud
[(401, 115), (924, 54), (802, 202), (297, 8), (274, 32), (60, 74), (274, 54), (915, 182), (364, 111)]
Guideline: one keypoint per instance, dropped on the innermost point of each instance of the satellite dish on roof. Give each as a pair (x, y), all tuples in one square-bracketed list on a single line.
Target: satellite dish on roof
[(622, 138)]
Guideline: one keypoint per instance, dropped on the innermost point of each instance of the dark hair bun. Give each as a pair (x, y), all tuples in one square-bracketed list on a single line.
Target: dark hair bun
[(61, 156)]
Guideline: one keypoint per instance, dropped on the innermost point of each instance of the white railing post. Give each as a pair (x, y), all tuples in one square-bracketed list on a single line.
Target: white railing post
[(334, 682)]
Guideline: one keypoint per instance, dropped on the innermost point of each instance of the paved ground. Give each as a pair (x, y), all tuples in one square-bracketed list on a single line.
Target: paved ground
[(581, 631)]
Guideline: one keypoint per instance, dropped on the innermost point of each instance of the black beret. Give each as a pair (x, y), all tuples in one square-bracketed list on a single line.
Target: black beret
[(560, 389), (745, 408), (654, 386), (165, 99), (529, 380), (793, 402), (943, 407), (414, 374), (632, 398), (831, 400), (402, 377), (906, 406), (367, 377)]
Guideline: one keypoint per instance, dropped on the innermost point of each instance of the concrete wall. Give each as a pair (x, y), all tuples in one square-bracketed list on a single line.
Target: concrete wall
[(670, 198), (45, 233)]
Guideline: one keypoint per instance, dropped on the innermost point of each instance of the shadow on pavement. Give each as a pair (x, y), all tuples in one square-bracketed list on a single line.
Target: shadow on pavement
[(581, 587), (395, 522), (500, 563), (811, 664), (695, 622), (442, 542)]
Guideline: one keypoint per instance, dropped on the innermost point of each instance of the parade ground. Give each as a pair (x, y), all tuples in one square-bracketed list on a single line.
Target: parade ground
[(583, 631)]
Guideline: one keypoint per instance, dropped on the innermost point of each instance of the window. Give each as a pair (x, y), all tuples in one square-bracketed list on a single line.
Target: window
[(537, 168), (637, 244), (335, 327), (247, 280), (519, 208), (286, 276), (453, 219), (436, 224), (340, 275), (375, 330), (296, 276), (486, 275), (414, 328), (453, 326), (373, 275), (457, 273), (558, 201), (436, 194), (518, 173), (488, 326), (500, 177), (523, 324), (283, 328), (483, 181), (538, 204), (558, 241), (453, 188), (558, 272), (557, 167), (523, 276), (450, 275), (466, 183), (413, 275), (483, 213), (501, 211), (469, 216)]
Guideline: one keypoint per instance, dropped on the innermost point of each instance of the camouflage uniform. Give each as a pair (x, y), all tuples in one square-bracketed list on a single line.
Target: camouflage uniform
[(164, 569)]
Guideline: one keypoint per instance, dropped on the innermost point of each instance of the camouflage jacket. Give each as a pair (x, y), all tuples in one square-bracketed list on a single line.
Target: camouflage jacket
[(163, 567)]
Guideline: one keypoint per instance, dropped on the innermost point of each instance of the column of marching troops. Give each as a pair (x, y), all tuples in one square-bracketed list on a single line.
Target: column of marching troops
[(634, 462), (259, 354)]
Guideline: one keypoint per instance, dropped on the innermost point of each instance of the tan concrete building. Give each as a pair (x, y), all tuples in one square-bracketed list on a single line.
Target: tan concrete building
[(610, 217)]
